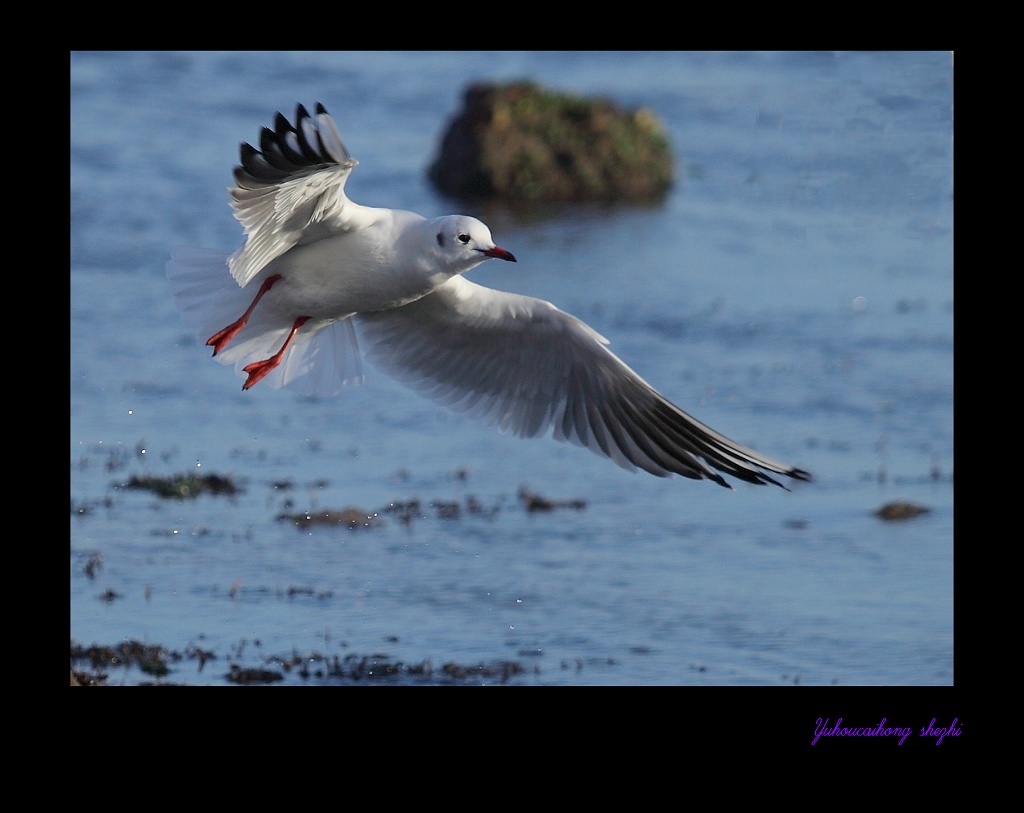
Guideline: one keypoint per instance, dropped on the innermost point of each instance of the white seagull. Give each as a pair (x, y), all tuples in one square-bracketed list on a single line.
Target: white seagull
[(315, 266)]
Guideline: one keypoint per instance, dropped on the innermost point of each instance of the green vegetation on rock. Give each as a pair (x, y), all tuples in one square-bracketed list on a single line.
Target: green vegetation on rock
[(521, 142)]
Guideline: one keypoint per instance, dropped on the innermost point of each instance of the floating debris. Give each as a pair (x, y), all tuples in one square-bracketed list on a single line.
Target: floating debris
[(153, 660), (85, 679), (349, 517), (502, 670), (474, 506), (185, 486), (94, 564), (448, 510), (308, 592), (248, 677), (900, 510), (534, 502), (404, 511), (83, 509)]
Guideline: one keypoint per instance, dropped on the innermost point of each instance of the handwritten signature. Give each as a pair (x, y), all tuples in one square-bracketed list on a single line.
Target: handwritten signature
[(881, 730)]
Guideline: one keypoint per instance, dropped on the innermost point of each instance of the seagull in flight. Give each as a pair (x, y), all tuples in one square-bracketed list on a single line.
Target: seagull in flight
[(321, 280)]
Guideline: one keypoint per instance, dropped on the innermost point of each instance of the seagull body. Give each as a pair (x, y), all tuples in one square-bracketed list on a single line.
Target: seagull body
[(315, 266)]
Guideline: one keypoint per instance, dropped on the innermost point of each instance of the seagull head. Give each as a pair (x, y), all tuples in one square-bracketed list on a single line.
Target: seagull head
[(465, 242)]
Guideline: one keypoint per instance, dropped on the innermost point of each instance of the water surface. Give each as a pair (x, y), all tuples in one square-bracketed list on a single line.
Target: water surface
[(794, 292)]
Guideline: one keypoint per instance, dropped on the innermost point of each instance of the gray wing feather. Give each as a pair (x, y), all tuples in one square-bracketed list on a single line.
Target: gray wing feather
[(528, 367)]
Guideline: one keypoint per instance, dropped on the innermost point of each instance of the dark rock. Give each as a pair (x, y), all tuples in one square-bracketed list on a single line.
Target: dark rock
[(520, 142)]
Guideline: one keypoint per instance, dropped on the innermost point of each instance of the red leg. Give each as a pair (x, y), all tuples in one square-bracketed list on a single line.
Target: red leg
[(220, 339), (258, 369)]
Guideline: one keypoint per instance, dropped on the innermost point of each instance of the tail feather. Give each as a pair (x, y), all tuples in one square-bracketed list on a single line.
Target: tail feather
[(322, 358)]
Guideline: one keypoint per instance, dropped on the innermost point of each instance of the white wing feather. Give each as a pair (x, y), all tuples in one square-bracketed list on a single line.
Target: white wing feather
[(292, 191)]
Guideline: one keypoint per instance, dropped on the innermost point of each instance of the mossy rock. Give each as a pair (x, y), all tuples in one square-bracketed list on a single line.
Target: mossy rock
[(520, 142)]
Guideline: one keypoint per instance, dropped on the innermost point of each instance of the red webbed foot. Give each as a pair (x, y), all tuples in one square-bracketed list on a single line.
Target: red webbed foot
[(259, 369)]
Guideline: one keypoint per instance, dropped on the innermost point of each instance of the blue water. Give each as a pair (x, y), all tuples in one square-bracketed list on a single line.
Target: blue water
[(794, 292)]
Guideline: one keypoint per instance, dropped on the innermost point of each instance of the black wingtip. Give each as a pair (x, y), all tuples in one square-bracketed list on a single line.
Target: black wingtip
[(796, 474), (281, 123), (289, 147)]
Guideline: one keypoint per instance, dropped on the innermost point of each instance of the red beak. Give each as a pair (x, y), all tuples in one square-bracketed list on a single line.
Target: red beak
[(500, 254)]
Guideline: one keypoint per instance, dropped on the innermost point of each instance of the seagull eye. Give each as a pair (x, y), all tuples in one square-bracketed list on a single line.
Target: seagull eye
[(463, 238)]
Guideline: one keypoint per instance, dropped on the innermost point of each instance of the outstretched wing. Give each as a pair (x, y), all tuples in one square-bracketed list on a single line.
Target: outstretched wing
[(292, 190), (525, 365)]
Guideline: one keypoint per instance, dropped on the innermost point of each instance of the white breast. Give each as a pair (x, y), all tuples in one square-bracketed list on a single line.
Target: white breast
[(350, 272)]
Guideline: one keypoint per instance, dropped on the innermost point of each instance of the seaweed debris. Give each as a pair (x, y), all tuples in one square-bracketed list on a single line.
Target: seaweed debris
[(349, 517), (308, 667), (534, 502), (185, 486)]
